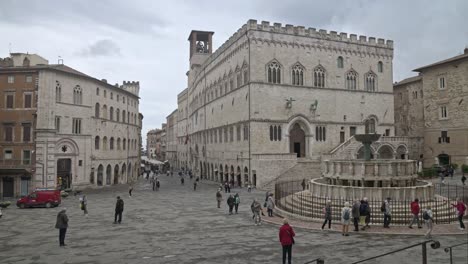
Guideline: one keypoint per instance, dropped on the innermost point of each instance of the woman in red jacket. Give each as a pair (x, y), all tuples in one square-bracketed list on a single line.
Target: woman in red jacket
[(286, 237), (460, 212)]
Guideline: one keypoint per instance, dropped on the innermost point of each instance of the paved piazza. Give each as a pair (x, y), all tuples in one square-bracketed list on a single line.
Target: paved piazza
[(178, 225)]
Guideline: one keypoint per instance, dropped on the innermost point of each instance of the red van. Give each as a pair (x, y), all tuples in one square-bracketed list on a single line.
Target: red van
[(41, 198)]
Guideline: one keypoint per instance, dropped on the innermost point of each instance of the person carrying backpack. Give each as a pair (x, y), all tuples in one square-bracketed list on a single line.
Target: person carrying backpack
[(364, 214), (236, 202), (461, 208), (387, 211), (427, 216), (415, 211), (345, 218)]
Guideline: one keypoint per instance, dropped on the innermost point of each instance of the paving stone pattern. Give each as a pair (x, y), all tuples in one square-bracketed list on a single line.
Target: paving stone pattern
[(179, 225)]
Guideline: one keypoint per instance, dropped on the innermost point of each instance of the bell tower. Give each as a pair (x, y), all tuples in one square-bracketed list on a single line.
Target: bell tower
[(201, 47)]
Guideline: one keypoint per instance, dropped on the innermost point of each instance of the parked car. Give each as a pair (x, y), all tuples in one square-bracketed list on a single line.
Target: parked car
[(41, 198)]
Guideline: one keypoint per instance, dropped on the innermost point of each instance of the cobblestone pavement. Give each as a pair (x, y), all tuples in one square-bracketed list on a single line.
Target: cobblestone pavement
[(179, 225)]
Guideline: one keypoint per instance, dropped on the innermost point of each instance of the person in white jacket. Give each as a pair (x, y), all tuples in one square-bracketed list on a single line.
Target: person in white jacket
[(427, 216)]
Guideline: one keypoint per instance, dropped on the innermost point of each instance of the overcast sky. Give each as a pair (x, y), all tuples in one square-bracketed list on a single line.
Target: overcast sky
[(146, 41)]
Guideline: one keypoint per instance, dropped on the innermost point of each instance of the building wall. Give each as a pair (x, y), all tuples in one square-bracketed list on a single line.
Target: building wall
[(88, 161), (409, 109), (454, 98)]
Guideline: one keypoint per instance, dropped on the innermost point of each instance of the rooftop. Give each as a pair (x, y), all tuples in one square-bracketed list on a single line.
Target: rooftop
[(408, 80), (449, 60)]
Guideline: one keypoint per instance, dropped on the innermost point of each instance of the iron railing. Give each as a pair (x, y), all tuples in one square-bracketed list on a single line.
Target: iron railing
[(449, 250)]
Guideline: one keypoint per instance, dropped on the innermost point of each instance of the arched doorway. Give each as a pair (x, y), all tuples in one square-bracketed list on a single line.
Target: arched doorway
[(232, 175), (108, 174), (129, 172), (239, 177), (360, 153), (116, 174), (402, 152), (297, 142), (221, 173), (100, 173), (385, 152), (226, 173), (254, 179), (246, 176), (123, 172), (444, 159)]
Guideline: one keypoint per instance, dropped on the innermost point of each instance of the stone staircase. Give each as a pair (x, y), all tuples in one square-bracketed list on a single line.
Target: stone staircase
[(304, 169)]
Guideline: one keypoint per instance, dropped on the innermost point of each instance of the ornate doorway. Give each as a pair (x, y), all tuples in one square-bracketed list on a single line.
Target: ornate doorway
[(64, 176), (297, 141)]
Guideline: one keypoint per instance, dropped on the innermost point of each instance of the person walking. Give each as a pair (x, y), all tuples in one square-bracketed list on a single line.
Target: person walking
[(427, 217), (158, 184), (154, 184), (62, 224), (327, 214), (249, 187), (195, 185), (84, 205), (219, 197), (345, 218), (303, 184), (463, 178), (130, 190), (356, 214), (119, 207), (387, 210), (461, 208), (182, 180), (270, 205), (256, 208), (364, 213), (286, 238), (230, 202), (225, 187), (236, 202), (415, 209)]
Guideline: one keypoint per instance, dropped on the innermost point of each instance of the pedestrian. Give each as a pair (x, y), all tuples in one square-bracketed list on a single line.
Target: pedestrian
[(387, 210), (286, 237), (84, 205), (327, 214), (249, 187), (182, 180), (256, 208), (345, 218), (356, 215), (427, 216), (303, 184), (463, 178), (236, 202), (451, 171), (461, 208), (225, 187), (230, 202), (415, 209), (219, 197), (119, 207), (267, 194), (195, 185), (442, 177), (157, 184), (364, 213), (130, 190), (270, 205), (154, 184), (229, 187), (62, 224)]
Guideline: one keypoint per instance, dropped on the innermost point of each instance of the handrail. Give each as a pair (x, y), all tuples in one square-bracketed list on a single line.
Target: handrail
[(449, 250), (435, 244), (342, 145), (317, 260)]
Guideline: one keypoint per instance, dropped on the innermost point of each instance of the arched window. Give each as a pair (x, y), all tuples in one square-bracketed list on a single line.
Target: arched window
[(111, 113), (118, 143), (319, 77), (370, 126), (351, 80), (97, 110), (104, 143), (97, 91), (58, 91), (275, 133), (123, 116), (111, 144), (279, 133), (128, 117), (97, 141), (231, 85), (124, 143), (380, 66), (297, 75), (104, 111), (339, 62), (246, 76), (370, 81), (117, 115), (271, 133), (239, 79), (274, 72)]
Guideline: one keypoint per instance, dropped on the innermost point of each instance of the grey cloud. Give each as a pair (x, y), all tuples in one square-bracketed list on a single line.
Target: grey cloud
[(105, 47)]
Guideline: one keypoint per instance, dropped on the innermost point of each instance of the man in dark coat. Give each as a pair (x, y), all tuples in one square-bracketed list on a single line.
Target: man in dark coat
[(119, 207), (356, 214), (62, 225), (230, 202)]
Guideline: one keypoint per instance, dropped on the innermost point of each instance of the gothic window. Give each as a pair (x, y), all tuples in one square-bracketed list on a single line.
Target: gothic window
[(246, 132), (111, 113), (97, 91), (298, 75), (274, 72), (124, 143), (238, 128), (111, 144), (58, 91), (220, 135), (231, 85), (220, 90), (319, 77), (271, 133), (275, 133), (225, 135), (97, 110), (339, 62), (246, 76), (351, 80), (96, 142), (370, 126), (77, 95), (231, 133), (104, 111), (320, 133), (118, 143), (279, 133), (104, 143), (117, 115), (123, 116), (380, 66), (239, 79), (370, 82)]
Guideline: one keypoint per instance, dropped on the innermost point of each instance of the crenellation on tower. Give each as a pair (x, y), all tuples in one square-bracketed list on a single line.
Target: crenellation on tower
[(130, 86), (362, 39), (372, 40)]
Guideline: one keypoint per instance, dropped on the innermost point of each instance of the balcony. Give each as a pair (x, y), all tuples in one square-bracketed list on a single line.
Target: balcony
[(15, 164)]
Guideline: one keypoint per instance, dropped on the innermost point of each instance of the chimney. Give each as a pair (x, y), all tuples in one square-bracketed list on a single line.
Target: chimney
[(104, 80)]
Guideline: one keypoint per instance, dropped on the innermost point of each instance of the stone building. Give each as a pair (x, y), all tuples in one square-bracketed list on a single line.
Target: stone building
[(18, 105), (171, 138), (86, 131), (182, 131), (153, 144), (273, 97), (437, 97)]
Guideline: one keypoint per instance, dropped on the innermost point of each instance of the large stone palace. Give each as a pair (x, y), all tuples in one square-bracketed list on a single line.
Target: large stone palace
[(277, 98)]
